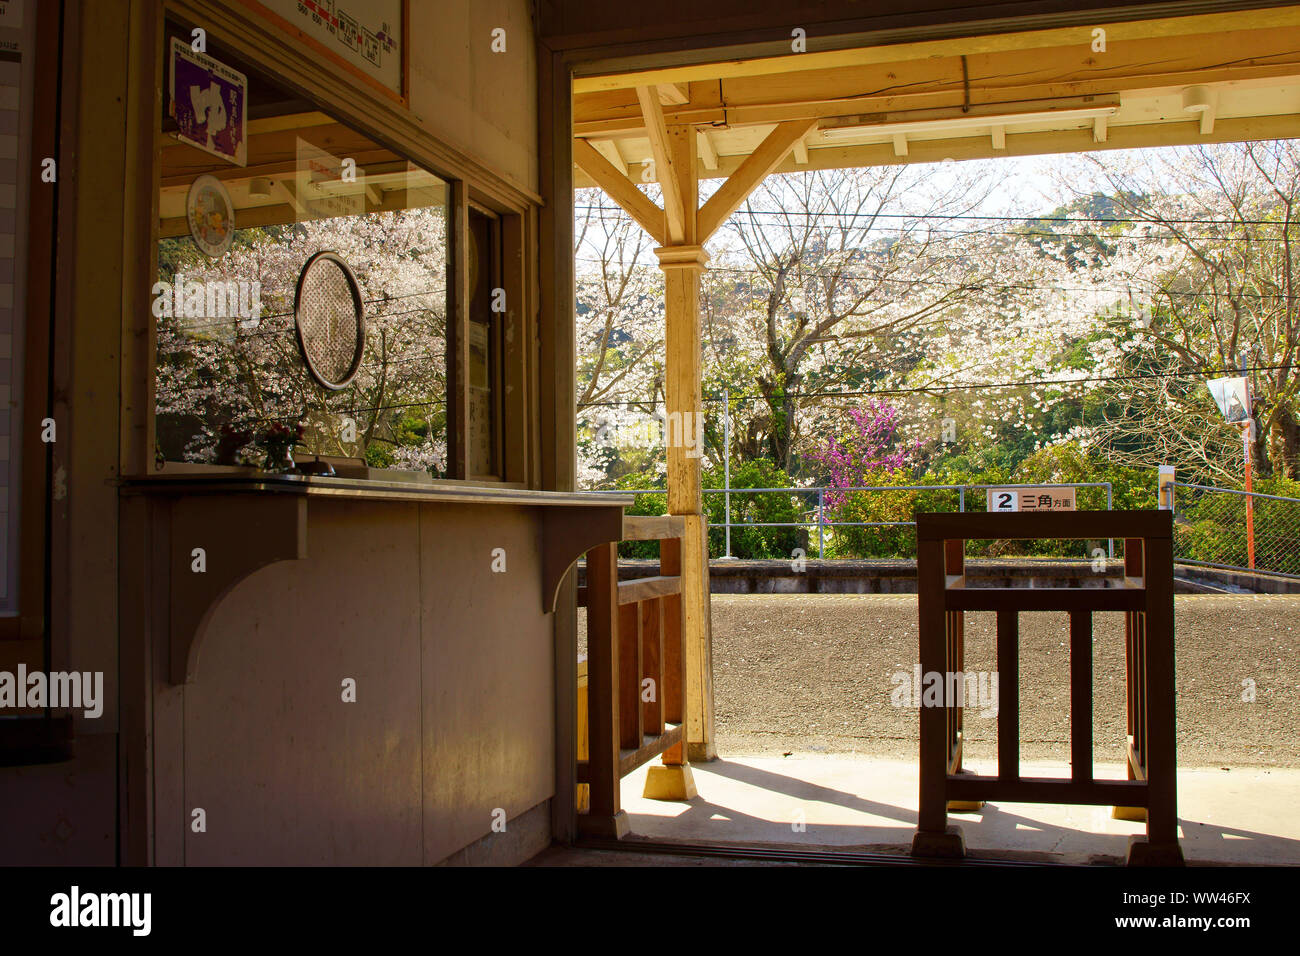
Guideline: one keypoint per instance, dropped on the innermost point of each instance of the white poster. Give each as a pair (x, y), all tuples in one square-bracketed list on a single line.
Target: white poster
[(364, 33)]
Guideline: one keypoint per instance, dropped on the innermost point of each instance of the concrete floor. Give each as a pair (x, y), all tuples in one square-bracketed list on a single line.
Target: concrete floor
[(1227, 816)]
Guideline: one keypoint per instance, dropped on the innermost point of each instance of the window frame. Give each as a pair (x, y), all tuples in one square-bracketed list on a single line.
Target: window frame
[(392, 127)]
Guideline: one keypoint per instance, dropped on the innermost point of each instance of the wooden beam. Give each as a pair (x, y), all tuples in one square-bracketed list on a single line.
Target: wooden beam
[(609, 149), (673, 94), (756, 167), (801, 152), (620, 189), (651, 527), (674, 210), (293, 121), (290, 196), (1022, 74), (708, 155), (1129, 31), (1081, 140)]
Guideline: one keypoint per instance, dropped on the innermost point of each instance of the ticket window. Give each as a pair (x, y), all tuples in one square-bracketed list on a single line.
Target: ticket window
[(232, 351)]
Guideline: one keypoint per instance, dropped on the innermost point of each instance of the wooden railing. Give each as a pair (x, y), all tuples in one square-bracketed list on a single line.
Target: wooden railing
[(635, 686), (1145, 595)]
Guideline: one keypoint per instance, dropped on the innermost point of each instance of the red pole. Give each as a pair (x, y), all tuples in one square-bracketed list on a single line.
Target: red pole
[(1250, 501)]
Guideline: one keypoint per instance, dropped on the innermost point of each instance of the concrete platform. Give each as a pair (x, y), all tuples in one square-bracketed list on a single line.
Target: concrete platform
[(1238, 816)]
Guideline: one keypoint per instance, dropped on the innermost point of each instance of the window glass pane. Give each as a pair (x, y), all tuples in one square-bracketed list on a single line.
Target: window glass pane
[(231, 377)]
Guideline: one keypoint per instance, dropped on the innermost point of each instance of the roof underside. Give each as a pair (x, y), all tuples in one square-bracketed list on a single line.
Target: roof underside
[(1201, 79)]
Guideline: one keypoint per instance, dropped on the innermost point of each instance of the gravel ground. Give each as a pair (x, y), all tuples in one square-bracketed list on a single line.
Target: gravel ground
[(811, 672)]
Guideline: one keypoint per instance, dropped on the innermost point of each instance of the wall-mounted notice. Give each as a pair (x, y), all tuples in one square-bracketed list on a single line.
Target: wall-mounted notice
[(11, 13), (209, 103), (365, 34), (1046, 498)]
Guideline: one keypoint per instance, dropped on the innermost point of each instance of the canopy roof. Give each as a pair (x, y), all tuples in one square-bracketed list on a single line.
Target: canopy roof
[(1176, 81)]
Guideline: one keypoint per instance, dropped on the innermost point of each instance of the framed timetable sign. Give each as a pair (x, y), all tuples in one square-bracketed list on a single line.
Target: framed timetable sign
[(368, 37)]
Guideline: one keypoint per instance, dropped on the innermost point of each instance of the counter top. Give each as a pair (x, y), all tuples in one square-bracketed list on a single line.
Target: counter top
[(313, 486)]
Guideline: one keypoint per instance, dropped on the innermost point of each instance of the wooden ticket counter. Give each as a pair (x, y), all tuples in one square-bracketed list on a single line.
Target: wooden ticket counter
[(338, 671)]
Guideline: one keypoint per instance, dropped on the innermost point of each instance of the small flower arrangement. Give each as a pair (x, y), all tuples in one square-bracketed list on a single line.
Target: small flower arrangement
[(276, 441), (229, 441)]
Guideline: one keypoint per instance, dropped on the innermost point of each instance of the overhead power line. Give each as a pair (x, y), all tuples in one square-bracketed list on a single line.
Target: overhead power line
[(1038, 383)]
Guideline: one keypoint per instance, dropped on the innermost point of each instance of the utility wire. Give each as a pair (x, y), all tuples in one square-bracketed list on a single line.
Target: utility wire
[(929, 389)]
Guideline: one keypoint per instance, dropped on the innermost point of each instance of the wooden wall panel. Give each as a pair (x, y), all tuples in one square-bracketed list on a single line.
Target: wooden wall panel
[(287, 771), (486, 665), (454, 715)]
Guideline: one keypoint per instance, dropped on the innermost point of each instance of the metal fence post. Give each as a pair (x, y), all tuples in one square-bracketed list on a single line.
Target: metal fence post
[(1110, 545), (821, 526), (726, 465)]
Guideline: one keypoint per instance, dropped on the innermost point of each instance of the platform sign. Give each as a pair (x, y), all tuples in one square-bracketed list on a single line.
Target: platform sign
[(368, 36), (1043, 498), (1232, 395)]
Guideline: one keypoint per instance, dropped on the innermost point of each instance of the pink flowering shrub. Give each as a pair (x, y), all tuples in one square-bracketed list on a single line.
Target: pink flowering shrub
[(866, 448)]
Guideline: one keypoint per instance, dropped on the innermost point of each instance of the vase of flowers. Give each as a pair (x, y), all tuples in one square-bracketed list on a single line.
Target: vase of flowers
[(229, 442), (277, 441)]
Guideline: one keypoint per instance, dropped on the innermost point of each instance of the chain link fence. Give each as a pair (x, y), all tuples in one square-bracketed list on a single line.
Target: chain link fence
[(1210, 527)]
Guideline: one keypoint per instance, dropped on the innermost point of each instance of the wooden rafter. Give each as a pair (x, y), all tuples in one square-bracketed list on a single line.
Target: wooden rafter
[(653, 114), (757, 166), (620, 189)]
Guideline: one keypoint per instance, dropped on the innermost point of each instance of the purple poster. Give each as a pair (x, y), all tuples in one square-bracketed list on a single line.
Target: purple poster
[(209, 103)]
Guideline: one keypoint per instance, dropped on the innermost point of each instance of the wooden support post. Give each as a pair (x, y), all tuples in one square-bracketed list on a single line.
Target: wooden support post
[(674, 693), (1081, 695), (1008, 651), (1133, 621), (652, 667), (682, 265), (933, 835), (606, 817), (1160, 746), (672, 779), (629, 676)]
